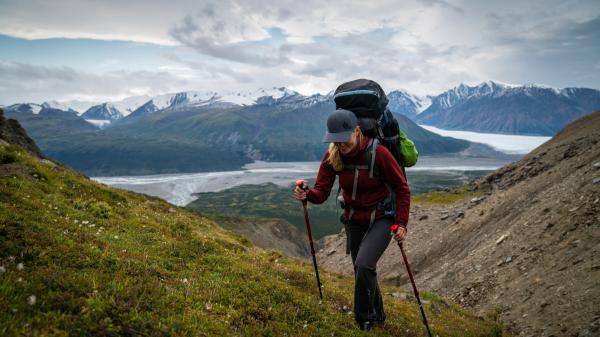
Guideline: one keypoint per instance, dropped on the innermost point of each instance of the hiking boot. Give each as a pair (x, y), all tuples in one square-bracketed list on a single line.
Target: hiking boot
[(366, 326)]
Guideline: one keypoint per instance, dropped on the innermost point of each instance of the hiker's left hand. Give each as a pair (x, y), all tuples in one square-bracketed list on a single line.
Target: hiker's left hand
[(400, 234)]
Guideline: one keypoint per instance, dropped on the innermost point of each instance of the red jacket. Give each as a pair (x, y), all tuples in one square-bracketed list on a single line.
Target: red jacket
[(369, 191)]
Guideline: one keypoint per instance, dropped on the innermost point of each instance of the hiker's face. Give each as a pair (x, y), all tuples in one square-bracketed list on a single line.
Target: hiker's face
[(351, 144)]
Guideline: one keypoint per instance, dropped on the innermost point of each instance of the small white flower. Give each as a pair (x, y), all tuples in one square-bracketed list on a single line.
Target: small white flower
[(116, 237), (20, 266), (185, 280), (20, 279), (85, 222), (2, 269), (31, 300), (75, 221)]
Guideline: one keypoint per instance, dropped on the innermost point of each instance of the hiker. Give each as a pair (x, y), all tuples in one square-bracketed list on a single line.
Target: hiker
[(365, 200)]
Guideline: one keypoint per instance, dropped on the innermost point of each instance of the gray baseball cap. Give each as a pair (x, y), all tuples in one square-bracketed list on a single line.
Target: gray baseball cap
[(340, 126)]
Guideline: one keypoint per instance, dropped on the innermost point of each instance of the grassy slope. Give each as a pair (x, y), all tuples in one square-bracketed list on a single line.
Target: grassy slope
[(138, 266)]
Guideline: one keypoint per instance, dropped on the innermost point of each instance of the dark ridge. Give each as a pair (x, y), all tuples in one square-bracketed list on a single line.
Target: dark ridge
[(13, 133)]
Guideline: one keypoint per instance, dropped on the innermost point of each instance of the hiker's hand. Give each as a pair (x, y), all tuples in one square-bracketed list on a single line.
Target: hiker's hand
[(400, 234), (300, 194)]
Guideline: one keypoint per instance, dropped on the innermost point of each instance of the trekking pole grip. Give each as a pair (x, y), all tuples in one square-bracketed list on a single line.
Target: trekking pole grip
[(300, 183)]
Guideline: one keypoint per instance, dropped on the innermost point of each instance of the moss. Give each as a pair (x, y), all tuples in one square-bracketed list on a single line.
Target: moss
[(446, 197), (101, 209)]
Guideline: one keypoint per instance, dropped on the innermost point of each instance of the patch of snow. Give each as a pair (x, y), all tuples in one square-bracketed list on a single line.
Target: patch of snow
[(186, 97), (424, 103), (79, 106), (129, 104), (543, 86), (511, 144), (55, 105), (35, 108), (249, 97)]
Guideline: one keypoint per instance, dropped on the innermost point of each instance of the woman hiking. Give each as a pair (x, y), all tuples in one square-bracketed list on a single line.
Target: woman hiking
[(367, 199)]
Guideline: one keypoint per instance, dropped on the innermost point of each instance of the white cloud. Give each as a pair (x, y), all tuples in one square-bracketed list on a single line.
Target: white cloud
[(22, 82), (424, 46)]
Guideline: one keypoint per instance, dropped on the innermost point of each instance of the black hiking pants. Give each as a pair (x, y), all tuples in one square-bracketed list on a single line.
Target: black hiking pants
[(367, 244)]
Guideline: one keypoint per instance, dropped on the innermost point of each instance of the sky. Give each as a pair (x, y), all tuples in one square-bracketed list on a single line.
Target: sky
[(107, 50)]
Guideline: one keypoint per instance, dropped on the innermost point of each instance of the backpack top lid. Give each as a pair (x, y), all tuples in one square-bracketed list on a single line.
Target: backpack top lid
[(364, 97)]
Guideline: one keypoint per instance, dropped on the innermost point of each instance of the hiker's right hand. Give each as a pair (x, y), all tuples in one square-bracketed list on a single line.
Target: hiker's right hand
[(300, 194)]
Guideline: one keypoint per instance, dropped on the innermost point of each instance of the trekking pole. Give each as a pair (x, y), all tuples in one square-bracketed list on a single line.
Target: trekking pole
[(302, 185), (394, 228)]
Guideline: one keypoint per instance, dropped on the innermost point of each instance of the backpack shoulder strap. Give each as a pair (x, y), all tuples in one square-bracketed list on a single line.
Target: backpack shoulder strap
[(371, 154)]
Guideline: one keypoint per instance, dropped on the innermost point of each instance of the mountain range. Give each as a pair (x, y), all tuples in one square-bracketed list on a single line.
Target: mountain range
[(490, 107), (191, 133), (196, 131), (493, 107)]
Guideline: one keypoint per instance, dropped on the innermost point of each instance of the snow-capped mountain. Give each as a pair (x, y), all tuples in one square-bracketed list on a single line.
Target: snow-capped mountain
[(130, 104), (54, 105), (247, 97), (203, 98), (462, 92), (31, 108), (400, 101), (490, 106), (510, 109), (165, 101), (105, 111)]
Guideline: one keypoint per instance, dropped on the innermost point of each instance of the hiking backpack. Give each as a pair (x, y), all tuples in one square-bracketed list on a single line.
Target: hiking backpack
[(369, 103)]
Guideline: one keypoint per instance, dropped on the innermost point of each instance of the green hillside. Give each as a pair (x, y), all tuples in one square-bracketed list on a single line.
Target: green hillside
[(79, 258)]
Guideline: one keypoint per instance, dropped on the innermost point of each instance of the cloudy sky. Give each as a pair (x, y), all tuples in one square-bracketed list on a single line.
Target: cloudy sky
[(106, 50)]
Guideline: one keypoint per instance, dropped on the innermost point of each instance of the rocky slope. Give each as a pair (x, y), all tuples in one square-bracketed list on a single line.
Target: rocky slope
[(275, 234), (524, 240)]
